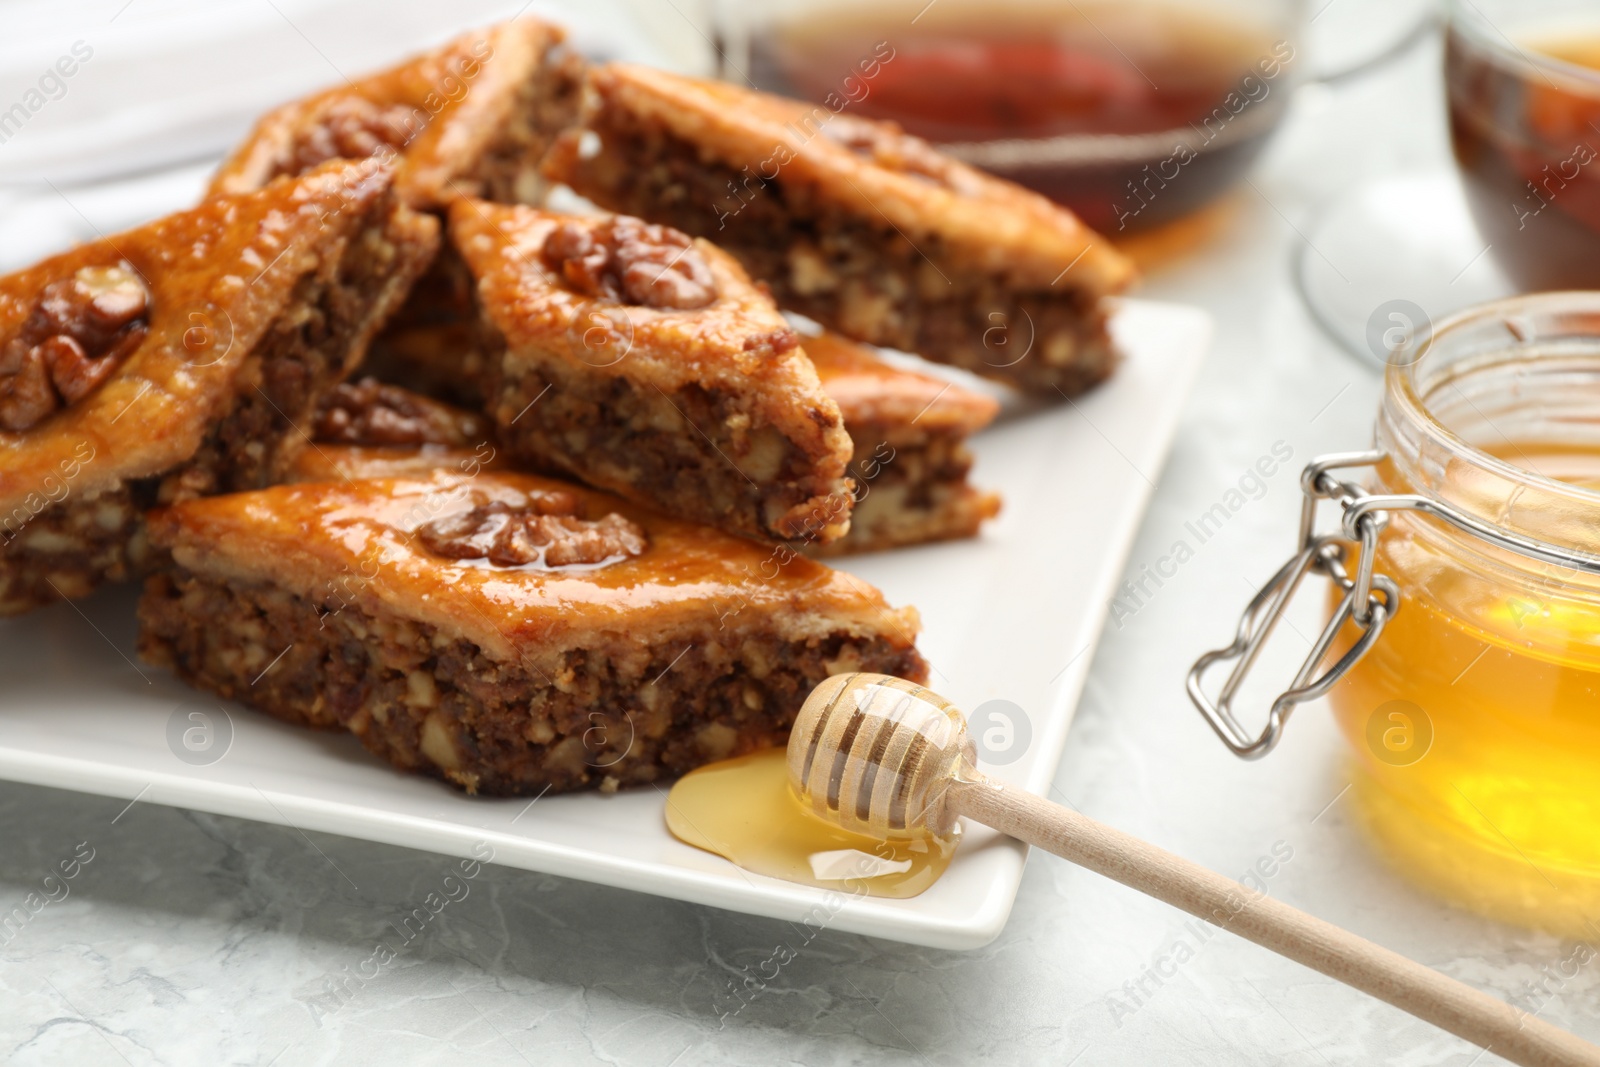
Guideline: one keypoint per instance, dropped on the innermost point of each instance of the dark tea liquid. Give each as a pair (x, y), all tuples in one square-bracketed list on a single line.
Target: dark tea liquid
[(1204, 91), (1528, 145)]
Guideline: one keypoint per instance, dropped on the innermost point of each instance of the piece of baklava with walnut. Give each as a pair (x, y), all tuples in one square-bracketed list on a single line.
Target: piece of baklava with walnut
[(644, 362), (182, 359), (855, 223), (506, 632), (470, 118)]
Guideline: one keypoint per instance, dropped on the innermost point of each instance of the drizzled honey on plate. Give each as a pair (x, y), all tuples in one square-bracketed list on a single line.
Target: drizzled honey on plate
[(744, 810)]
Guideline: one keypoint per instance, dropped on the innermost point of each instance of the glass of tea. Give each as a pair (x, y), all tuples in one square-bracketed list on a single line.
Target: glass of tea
[(1130, 112), (1523, 83), (1519, 211)]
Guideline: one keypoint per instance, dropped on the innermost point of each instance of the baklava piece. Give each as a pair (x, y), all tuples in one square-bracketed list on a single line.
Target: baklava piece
[(370, 429), (506, 632), (911, 460), (641, 361), (854, 223), (472, 118), (181, 359)]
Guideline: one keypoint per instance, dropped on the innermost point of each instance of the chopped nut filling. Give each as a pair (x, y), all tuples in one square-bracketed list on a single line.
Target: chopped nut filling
[(546, 531), (354, 128), (435, 703), (632, 261), (370, 412), (80, 331), (846, 267)]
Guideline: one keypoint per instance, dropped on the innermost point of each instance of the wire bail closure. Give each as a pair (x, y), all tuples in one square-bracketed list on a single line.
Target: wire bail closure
[(1370, 601)]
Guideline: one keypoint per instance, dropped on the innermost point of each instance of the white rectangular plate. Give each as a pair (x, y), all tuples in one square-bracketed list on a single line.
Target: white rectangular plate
[(1013, 615)]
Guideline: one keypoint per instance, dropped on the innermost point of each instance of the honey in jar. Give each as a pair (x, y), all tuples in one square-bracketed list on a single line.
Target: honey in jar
[(1462, 656), (1474, 717), (1476, 723)]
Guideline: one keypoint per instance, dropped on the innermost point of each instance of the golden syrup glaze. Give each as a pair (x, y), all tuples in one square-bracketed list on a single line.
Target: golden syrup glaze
[(462, 96), (871, 390), (728, 344), (217, 275), (1475, 723), (302, 536), (738, 348), (745, 811)]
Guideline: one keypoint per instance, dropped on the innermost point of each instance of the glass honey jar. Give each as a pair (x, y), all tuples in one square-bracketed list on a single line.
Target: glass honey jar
[(1462, 653)]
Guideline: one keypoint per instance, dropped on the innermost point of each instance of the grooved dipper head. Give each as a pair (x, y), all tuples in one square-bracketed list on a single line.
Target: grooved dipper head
[(872, 754)]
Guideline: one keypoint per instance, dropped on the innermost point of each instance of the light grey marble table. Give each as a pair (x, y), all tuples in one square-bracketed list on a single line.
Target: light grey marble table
[(190, 938)]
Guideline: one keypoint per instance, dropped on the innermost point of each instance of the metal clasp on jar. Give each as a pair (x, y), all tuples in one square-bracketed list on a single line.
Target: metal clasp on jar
[(1370, 600)]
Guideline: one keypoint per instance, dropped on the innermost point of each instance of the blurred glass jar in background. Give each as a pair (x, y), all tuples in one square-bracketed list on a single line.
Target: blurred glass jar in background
[(1130, 112), (1523, 78)]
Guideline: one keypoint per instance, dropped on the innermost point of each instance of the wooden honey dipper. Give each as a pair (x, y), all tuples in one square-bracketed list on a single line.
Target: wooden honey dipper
[(887, 758)]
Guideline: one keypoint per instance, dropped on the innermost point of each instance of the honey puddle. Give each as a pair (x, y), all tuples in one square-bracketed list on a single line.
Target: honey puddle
[(743, 810)]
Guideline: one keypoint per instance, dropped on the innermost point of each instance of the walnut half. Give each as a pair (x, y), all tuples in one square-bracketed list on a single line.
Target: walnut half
[(352, 128), (626, 259), (369, 412), (546, 532), (80, 330)]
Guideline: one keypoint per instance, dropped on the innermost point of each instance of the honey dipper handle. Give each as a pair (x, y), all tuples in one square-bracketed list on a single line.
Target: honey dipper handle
[(1482, 1019)]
